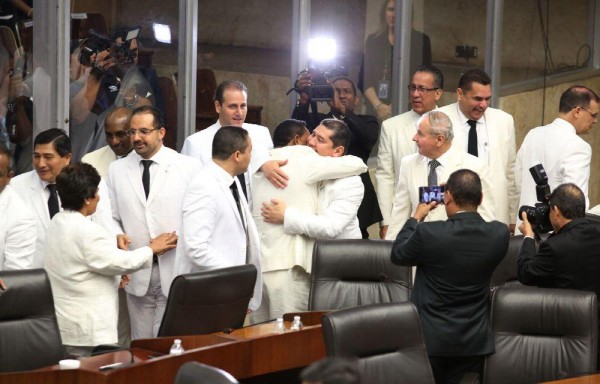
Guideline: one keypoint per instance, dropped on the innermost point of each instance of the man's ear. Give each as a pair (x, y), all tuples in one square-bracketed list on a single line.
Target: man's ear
[(448, 197), (339, 151), (217, 106)]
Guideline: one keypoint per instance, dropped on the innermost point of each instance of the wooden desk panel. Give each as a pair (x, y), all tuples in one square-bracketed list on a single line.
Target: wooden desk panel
[(245, 353), (588, 379)]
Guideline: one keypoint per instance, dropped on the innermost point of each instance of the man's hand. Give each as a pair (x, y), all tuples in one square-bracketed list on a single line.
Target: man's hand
[(383, 231), (273, 172), (123, 242), (383, 111), (336, 103), (124, 281), (163, 243), (2, 285), (525, 226), (423, 210), (274, 212), (304, 81)]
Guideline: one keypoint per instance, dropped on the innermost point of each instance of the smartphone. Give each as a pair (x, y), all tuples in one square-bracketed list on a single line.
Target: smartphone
[(431, 193)]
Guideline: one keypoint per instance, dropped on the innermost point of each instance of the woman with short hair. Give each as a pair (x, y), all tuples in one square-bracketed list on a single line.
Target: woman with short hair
[(85, 265)]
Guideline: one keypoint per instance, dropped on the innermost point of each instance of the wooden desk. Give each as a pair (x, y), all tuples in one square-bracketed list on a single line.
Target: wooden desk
[(587, 379), (245, 353)]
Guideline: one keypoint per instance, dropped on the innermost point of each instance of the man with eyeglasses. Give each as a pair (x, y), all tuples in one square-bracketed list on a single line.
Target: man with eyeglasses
[(148, 187), (397, 133), (119, 145), (487, 133), (365, 132), (557, 146)]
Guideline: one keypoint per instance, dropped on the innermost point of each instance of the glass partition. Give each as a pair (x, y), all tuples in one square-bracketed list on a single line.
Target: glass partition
[(122, 55), (250, 42), (16, 81), (457, 32), (545, 37)]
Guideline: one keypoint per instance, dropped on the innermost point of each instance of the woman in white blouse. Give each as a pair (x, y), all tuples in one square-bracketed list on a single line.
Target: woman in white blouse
[(85, 265)]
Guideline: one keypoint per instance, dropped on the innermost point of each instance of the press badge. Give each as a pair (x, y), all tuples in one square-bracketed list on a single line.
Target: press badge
[(383, 89)]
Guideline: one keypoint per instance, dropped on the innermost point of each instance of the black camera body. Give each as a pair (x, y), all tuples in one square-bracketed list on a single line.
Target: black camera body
[(95, 43), (321, 89), (121, 53), (539, 214)]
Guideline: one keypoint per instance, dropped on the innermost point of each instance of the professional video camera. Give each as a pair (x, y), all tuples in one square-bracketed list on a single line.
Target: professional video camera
[(321, 89), (120, 52), (539, 214)]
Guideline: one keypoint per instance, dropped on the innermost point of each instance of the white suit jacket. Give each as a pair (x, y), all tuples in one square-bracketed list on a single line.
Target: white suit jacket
[(143, 219), (84, 266), (100, 159), (565, 156), (33, 191), (213, 235), (17, 232), (500, 157), (305, 168), (395, 142), (199, 146), (413, 174), (336, 215)]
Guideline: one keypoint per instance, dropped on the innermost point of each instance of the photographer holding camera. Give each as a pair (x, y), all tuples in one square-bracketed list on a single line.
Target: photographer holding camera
[(365, 131), (569, 257)]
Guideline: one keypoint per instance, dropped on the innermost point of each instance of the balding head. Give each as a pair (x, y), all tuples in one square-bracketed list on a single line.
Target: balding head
[(115, 127)]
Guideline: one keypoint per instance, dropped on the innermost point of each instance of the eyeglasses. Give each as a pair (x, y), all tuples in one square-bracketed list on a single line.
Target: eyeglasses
[(594, 115), (141, 131), (420, 88)]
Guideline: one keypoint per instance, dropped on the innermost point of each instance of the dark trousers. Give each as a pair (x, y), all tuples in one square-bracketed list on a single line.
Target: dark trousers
[(451, 369)]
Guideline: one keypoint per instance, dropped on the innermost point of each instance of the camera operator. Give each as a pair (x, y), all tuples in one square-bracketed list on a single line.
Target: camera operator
[(365, 131), (104, 75), (569, 257)]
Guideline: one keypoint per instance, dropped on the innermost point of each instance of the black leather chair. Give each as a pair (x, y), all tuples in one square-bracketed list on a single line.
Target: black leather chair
[(386, 338), (198, 373), (350, 273), (29, 334), (208, 301), (542, 334), (505, 273)]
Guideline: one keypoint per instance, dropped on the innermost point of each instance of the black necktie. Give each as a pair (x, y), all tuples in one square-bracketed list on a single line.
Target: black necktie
[(52, 200), (146, 176), (236, 196), (432, 177), (472, 146), (242, 180)]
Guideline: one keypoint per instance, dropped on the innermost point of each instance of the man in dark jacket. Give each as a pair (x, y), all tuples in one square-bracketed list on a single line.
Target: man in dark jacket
[(570, 257), (455, 260)]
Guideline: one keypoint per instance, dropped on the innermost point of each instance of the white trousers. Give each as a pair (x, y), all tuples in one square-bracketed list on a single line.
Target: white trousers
[(146, 312), (284, 291)]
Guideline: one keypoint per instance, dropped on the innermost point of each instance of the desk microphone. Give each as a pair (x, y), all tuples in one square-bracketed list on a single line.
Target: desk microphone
[(385, 278)]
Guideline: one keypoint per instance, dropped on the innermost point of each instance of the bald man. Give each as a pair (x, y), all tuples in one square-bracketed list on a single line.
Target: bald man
[(119, 145)]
